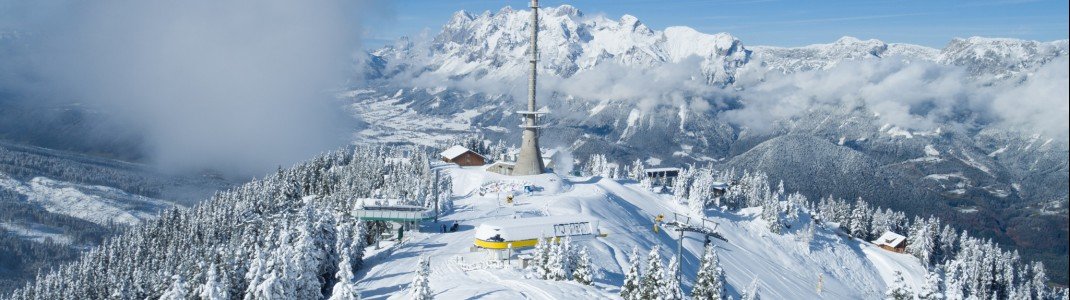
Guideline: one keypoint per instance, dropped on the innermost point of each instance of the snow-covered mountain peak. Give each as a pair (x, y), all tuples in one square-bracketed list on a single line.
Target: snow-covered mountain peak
[(851, 40), (461, 17), (567, 10), (684, 41), (632, 23), (854, 45), (1001, 57), (820, 56), (495, 45)]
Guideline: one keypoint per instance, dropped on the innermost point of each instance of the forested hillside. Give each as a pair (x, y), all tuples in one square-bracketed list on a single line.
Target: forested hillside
[(291, 235), (54, 205), (282, 237)]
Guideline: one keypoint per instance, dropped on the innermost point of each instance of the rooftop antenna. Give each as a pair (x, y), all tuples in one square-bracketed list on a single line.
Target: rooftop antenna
[(530, 160)]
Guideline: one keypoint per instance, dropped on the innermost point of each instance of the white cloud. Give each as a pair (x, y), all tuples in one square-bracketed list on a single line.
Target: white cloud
[(234, 84), (917, 95)]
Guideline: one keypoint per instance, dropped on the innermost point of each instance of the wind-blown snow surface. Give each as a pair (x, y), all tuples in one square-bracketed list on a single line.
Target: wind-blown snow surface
[(785, 267)]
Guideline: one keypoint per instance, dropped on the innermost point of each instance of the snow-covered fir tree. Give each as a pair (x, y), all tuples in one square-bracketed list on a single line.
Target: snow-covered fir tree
[(305, 252), (275, 286), (948, 243), (420, 289), (178, 291), (632, 288), (701, 194), (650, 286), (752, 292), (709, 282), (540, 261), (583, 273), (921, 240), (887, 220), (899, 290), (771, 215), (598, 165), (555, 263), (795, 202), (954, 287), (352, 239), (682, 185), (637, 171), (445, 192), (756, 190), (256, 274), (345, 286), (213, 288), (560, 261), (933, 286), (806, 235), (670, 290), (861, 219), (1038, 283)]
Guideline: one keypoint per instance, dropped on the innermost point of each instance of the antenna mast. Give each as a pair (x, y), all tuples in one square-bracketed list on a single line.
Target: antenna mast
[(530, 160)]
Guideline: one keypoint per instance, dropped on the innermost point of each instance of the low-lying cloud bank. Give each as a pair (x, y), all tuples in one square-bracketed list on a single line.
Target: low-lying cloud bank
[(235, 85), (916, 95), (913, 94)]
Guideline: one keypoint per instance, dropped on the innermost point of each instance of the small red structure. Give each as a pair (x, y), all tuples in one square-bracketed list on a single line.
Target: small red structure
[(462, 157), (892, 241)]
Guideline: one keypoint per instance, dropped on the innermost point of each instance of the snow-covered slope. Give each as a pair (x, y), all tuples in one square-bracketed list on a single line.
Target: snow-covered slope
[(784, 266), (37, 233), (298, 235), (98, 204), (1000, 57), (825, 56)]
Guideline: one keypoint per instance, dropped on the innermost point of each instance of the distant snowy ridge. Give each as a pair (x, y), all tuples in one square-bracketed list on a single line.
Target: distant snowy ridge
[(98, 204), (495, 45)]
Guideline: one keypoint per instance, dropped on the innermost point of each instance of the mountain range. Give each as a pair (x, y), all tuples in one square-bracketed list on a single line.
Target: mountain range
[(958, 132)]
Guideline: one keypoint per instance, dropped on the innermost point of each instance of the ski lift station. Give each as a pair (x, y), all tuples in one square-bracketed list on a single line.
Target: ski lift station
[(526, 232), (662, 176), (394, 213)]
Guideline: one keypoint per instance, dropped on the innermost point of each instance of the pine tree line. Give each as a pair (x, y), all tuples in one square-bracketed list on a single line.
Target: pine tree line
[(655, 281), (478, 143), (561, 261), (289, 235), (599, 165), (637, 171), (25, 162), (960, 266)]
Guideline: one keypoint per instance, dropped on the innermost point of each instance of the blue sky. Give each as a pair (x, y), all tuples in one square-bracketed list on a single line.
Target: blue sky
[(780, 22)]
